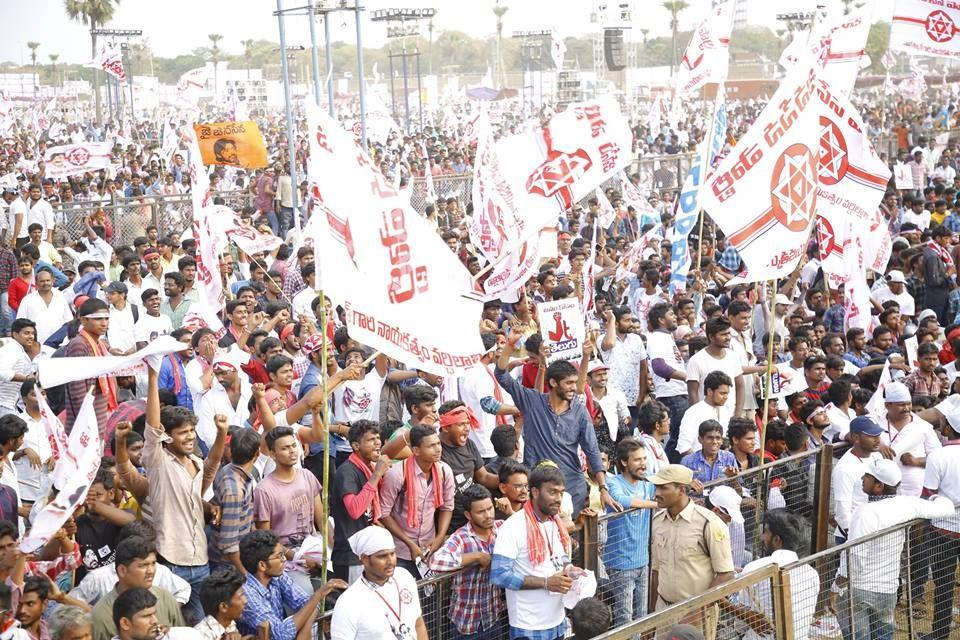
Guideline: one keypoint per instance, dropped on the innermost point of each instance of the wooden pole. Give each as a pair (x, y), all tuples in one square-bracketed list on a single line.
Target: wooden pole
[(326, 439)]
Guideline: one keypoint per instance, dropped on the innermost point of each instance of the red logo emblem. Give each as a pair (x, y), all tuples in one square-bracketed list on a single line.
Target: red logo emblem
[(833, 153), (793, 187), (557, 173), (940, 26), (78, 156), (826, 238), (560, 331)]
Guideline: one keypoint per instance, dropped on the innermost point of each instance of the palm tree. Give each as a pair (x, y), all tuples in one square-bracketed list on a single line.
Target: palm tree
[(53, 67), (674, 7), (215, 55), (94, 14), (248, 53), (498, 11), (33, 46)]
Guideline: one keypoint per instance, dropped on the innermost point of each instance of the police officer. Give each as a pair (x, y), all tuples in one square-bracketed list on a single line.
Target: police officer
[(690, 546)]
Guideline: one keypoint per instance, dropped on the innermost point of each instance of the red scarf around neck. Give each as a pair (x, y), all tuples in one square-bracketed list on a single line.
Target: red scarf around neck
[(108, 384), (410, 480), (361, 464), (536, 542)]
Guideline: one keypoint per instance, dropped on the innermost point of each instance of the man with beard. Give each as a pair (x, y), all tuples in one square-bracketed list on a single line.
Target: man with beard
[(135, 616), (627, 559), (514, 488), (384, 602), (782, 537), (531, 560), (175, 495), (174, 306), (691, 551)]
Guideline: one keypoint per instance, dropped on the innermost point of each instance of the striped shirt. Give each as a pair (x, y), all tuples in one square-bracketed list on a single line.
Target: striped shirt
[(233, 491)]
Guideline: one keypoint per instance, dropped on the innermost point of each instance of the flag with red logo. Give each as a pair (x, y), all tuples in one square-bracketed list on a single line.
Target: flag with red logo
[(926, 28), (706, 58), (763, 195), (208, 260), (72, 159), (853, 180), (589, 301), (632, 257), (888, 59), (110, 60), (403, 291), (72, 476), (841, 42)]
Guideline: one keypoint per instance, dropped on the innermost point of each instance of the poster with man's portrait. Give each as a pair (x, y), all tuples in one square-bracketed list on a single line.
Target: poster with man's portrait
[(234, 144)]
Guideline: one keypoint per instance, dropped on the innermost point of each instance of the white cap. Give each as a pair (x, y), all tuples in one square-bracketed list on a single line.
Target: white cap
[(781, 299), (371, 540), (596, 365), (896, 276), (896, 392), (886, 471), (727, 499), (950, 409), (915, 150), (926, 313)]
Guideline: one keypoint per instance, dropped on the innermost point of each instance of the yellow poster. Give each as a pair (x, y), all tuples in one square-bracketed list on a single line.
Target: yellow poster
[(236, 144)]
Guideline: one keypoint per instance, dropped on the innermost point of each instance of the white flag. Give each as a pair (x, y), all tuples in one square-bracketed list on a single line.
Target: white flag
[(926, 28), (875, 405), (607, 214), (856, 291), (7, 119), (842, 41), (706, 58), (55, 371), (110, 60), (403, 291), (557, 51), (208, 262), (73, 475), (888, 59), (72, 159), (763, 195), (226, 228), (53, 429)]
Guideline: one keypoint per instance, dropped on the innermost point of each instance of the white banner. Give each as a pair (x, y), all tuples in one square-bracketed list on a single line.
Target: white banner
[(110, 60), (856, 291), (7, 119), (842, 42), (926, 28), (226, 227), (557, 50), (54, 371), (634, 197), (562, 328), (526, 181), (53, 429), (71, 159), (403, 290), (706, 58), (763, 195), (688, 204), (208, 260), (76, 472)]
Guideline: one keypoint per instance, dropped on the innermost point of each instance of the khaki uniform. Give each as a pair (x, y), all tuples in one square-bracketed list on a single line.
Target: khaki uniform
[(687, 554)]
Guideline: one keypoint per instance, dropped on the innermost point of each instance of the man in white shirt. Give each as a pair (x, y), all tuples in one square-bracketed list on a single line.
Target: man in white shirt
[(303, 301), (359, 399), (716, 356), (942, 478), (840, 396), (642, 299), (39, 211), (846, 486), (907, 439), (624, 353), (152, 323), (16, 365), (16, 230), (781, 539), (123, 319), (383, 603), (716, 387), (669, 370), (229, 395), (612, 403), (894, 289), (873, 568), (46, 306), (478, 384)]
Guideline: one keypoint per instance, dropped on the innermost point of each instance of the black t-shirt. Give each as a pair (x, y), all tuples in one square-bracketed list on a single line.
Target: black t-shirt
[(98, 541), (464, 461), (348, 480)]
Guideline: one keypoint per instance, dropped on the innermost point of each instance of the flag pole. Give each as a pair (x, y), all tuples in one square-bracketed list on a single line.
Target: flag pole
[(325, 489), (771, 311), (705, 162)]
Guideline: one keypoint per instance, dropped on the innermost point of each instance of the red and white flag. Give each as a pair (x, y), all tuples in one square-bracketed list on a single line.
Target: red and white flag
[(431, 192), (557, 50), (914, 87), (926, 28), (227, 227), (72, 159), (630, 261), (841, 42), (208, 260), (53, 429), (110, 60), (72, 476), (606, 213), (7, 119), (589, 301), (888, 59), (634, 197), (404, 292), (706, 58)]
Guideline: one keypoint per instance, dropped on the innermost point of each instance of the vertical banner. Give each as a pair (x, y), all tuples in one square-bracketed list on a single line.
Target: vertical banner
[(562, 329), (688, 204)]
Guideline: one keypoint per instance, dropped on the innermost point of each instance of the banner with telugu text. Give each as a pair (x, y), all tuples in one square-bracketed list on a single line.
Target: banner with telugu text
[(234, 144)]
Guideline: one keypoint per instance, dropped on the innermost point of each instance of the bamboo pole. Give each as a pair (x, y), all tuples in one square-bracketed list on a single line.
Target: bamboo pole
[(325, 489), (771, 318)]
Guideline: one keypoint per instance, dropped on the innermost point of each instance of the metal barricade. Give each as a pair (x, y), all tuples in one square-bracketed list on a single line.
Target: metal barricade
[(458, 187)]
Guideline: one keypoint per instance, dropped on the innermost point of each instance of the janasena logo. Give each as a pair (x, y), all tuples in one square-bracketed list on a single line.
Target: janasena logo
[(793, 187)]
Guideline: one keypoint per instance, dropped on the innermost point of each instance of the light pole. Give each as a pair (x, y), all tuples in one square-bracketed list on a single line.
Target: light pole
[(403, 24), (291, 152), (125, 35)]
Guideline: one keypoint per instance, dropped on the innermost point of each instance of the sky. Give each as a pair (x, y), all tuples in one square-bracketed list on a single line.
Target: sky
[(172, 27)]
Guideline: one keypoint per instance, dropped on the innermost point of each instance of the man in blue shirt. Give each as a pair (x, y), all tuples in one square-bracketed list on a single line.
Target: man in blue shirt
[(710, 462), (270, 592), (626, 551), (173, 376)]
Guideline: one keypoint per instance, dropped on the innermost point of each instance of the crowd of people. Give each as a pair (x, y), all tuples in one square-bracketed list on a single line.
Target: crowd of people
[(226, 478)]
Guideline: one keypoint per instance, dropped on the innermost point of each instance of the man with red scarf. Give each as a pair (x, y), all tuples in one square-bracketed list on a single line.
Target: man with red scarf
[(531, 560), (459, 451), (356, 498), (939, 273), (90, 341)]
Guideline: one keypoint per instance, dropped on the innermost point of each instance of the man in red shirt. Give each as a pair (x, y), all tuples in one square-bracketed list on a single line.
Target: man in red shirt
[(22, 284)]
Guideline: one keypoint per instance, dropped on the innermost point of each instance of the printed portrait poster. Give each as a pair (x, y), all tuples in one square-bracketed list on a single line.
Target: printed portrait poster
[(562, 329), (234, 144)]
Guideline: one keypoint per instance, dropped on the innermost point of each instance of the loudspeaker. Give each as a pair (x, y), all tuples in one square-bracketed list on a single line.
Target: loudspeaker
[(613, 49)]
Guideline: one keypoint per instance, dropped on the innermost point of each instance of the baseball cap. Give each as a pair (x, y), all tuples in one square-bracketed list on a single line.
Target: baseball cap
[(116, 287), (886, 471), (896, 392), (781, 299), (596, 365), (865, 425), (896, 276), (728, 500), (672, 473)]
